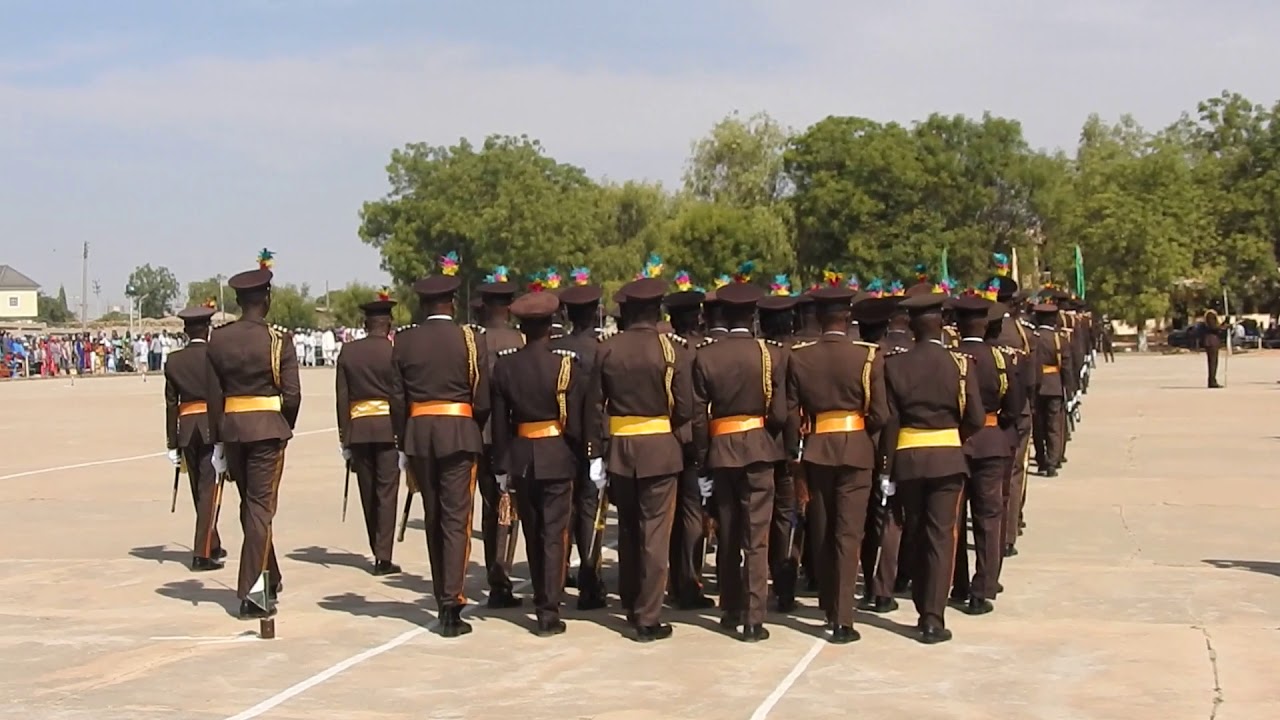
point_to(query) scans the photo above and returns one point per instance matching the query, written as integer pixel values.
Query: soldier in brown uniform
(496, 294)
(439, 401)
(988, 452)
(838, 385)
(1053, 364)
(365, 434)
(641, 392)
(935, 403)
(538, 439)
(688, 549)
(253, 397)
(187, 433)
(786, 535)
(739, 390)
(581, 302)
(1212, 342)
(1017, 337)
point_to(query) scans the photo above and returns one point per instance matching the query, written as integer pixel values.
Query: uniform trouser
(256, 468)
(1016, 493)
(687, 550)
(1049, 422)
(932, 509)
(837, 516)
(204, 491)
(744, 499)
(984, 503)
(377, 470)
(646, 509)
(546, 507)
(586, 502)
(448, 487)
(1211, 355)
(786, 534)
(496, 536)
(881, 541)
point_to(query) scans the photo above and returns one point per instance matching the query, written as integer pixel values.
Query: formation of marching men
(825, 435)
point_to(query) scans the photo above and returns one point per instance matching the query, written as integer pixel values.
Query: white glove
(704, 487)
(404, 462)
(888, 488)
(504, 482)
(346, 453)
(597, 473)
(175, 458)
(219, 458)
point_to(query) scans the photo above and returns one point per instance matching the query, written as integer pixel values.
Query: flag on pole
(942, 271)
(1079, 274)
(1013, 265)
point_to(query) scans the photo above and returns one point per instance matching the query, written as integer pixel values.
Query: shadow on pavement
(1259, 566)
(162, 554)
(196, 593)
(329, 557)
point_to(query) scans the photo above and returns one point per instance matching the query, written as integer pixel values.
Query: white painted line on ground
(766, 707)
(131, 458)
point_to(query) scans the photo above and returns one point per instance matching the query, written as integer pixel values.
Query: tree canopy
(153, 289)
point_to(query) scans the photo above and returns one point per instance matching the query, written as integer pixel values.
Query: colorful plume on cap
(683, 282)
(875, 288)
(922, 273)
(537, 282)
(991, 291)
(945, 286)
(743, 275)
(581, 276)
(211, 303)
(722, 281)
(896, 288)
(832, 278)
(500, 274)
(266, 259)
(781, 285)
(449, 263)
(652, 267)
(1002, 264)
(551, 279)
(384, 295)
(853, 283)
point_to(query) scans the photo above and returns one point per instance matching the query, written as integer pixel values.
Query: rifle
(177, 474)
(217, 510)
(412, 485)
(596, 546)
(509, 518)
(346, 491)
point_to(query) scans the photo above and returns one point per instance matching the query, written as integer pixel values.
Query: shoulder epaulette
(606, 335)
(410, 326)
(508, 351)
(864, 343)
(281, 329)
(897, 350)
(774, 343)
(678, 339)
(219, 326)
(566, 353)
(705, 342)
(804, 344)
(477, 328)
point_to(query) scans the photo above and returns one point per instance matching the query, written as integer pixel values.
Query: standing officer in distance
(935, 403)
(253, 397)
(538, 436)
(439, 401)
(1053, 359)
(365, 434)
(187, 431)
(1212, 342)
(739, 391)
(641, 391)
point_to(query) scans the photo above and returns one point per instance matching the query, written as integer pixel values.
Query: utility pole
(97, 298)
(84, 288)
(222, 302)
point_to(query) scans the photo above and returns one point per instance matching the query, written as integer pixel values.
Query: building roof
(11, 279)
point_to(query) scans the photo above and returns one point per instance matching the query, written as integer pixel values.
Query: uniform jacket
(835, 373)
(497, 339)
(364, 373)
(252, 358)
(1053, 350)
(526, 388)
(1020, 340)
(731, 376)
(925, 388)
(184, 381)
(583, 344)
(433, 361)
(1001, 394)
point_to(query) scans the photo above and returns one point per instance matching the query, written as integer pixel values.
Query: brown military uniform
(688, 551)
(586, 500)
(496, 535)
(253, 397)
(935, 403)
(187, 430)
(538, 441)
(364, 427)
(642, 393)
(1053, 368)
(1212, 343)
(1019, 339)
(740, 403)
(838, 385)
(439, 401)
(882, 544)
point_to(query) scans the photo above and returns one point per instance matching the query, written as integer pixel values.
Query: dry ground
(1148, 587)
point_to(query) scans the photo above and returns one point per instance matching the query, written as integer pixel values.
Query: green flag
(943, 268)
(1079, 274)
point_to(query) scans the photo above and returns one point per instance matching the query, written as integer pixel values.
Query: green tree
(292, 307)
(154, 289)
(740, 163)
(344, 304)
(201, 291)
(53, 310)
(709, 239)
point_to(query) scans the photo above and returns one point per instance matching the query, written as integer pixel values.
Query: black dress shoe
(219, 553)
(978, 606)
(592, 602)
(729, 622)
(632, 620)
(1053, 472)
(452, 625)
(547, 628)
(884, 605)
(1010, 551)
(385, 567)
(999, 588)
(959, 596)
(786, 604)
(845, 634)
(867, 603)
(503, 599)
(201, 564)
(1022, 524)
(649, 633)
(934, 635)
(250, 611)
(754, 633)
(695, 602)
(902, 586)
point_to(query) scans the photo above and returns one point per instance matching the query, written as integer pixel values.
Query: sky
(191, 135)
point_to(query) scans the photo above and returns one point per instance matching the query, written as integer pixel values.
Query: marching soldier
(365, 435)
(641, 392)
(538, 436)
(1053, 365)
(712, 310)
(1017, 336)
(496, 293)
(740, 403)
(439, 401)
(988, 452)
(688, 549)
(253, 397)
(581, 302)
(838, 384)
(786, 535)
(935, 404)
(1212, 342)
(187, 430)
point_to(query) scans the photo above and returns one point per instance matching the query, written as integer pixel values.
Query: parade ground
(1147, 586)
